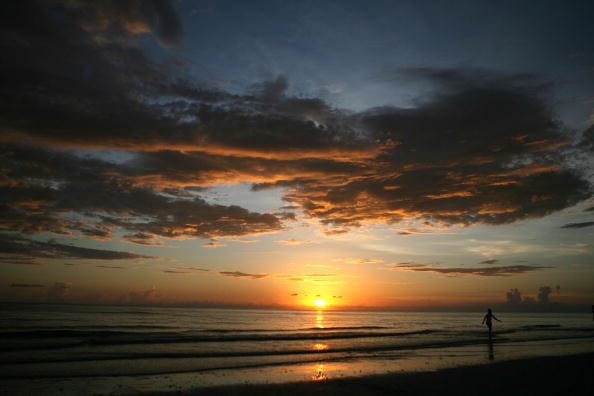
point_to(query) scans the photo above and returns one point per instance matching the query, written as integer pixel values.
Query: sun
(319, 303)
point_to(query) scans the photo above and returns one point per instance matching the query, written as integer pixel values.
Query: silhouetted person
(488, 319)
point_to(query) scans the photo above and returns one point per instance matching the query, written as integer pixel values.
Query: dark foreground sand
(561, 375)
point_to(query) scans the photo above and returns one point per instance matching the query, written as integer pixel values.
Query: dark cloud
(587, 141)
(146, 296)
(543, 294)
(68, 76)
(213, 244)
(409, 265)
(111, 266)
(191, 268)
(579, 225)
(272, 90)
(514, 296)
(43, 186)
(198, 219)
(490, 271)
(491, 261)
(19, 260)
(165, 21)
(239, 274)
(27, 285)
(59, 291)
(185, 270)
(175, 272)
(21, 247)
(142, 239)
(70, 80)
(481, 148)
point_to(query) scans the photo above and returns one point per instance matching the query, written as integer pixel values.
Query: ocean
(80, 349)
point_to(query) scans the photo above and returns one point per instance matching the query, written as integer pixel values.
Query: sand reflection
(321, 375)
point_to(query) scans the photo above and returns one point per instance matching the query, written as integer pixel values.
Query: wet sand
(564, 375)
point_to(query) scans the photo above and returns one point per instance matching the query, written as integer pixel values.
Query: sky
(361, 154)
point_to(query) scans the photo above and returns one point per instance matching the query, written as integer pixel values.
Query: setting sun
(320, 303)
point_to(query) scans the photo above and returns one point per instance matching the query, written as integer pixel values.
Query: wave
(288, 355)
(103, 337)
(540, 327)
(127, 334)
(293, 330)
(351, 348)
(267, 342)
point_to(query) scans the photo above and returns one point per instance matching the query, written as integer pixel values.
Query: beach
(552, 375)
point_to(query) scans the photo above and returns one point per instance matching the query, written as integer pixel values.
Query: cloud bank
(99, 138)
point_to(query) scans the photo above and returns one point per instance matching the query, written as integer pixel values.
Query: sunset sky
(401, 154)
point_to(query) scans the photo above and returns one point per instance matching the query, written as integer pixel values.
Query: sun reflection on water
(320, 319)
(320, 347)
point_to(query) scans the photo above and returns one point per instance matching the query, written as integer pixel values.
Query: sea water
(140, 346)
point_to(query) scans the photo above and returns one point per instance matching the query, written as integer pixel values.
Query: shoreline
(568, 374)
(347, 359)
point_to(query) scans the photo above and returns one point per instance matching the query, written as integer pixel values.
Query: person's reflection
(491, 351)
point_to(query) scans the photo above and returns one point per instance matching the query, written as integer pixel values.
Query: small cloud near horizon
(239, 274)
(294, 242)
(514, 296)
(490, 271)
(579, 225)
(111, 267)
